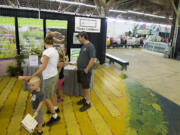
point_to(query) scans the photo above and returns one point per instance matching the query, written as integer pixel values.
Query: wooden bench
(113, 59)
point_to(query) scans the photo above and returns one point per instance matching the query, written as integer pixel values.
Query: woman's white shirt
(51, 68)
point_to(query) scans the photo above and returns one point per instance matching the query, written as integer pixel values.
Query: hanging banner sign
(7, 37)
(87, 24)
(60, 28)
(31, 34)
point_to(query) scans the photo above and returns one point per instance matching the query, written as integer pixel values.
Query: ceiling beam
(174, 7)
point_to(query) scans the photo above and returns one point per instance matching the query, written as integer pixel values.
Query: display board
(31, 34)
(75, 40)
(59, 27)
(7, 37)
(74, 54)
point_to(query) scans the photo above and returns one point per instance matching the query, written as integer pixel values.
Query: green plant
(36, 51)
(11, 69)
(16, 69)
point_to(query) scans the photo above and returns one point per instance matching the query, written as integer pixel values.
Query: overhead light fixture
(74, 3)
(118, 11)
(155, 16)
(134, 12)
(145, 14)
(139, 13)
(71, 13)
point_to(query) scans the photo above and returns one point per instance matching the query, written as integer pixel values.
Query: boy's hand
(86, 70)
(35, 114)
(20, 77)
(25, 78)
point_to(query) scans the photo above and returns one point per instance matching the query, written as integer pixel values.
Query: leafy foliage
(16, 69)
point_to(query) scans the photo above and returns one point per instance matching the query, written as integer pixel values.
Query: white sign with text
(33, 60)
(87, 24)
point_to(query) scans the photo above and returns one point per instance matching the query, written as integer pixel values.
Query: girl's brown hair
(49, 38)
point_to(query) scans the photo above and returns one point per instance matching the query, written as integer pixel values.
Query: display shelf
(159, 47)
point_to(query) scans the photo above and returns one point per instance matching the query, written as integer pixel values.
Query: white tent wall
(115, 29)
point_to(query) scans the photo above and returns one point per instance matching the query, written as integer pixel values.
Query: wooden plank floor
(107, 116)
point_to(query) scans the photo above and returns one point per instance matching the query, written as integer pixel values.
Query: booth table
(29, 70)
(71, 86)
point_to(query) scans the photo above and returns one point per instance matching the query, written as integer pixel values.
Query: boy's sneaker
(52, 121)
(82, 101)
(57, 111)
(44, 124)
(38, 133)
(85, 107)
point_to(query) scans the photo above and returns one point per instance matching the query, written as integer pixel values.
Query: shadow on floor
(171, 113)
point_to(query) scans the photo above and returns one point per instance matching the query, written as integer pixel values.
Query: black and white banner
(87, 24)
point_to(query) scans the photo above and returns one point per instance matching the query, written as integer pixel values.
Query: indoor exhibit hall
(102, 67)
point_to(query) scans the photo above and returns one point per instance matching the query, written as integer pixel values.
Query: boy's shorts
(84, 79)
(49, 86)
(39, 117)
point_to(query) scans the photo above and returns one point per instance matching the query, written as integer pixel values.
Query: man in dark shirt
(85, 64)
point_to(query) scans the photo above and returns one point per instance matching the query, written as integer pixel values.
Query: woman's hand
(27, 78)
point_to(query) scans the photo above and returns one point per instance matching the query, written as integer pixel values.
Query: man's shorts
(84, 79)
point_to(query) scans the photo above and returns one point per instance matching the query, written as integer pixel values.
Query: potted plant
(15, 69)
(36, 51)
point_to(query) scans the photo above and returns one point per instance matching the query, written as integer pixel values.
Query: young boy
(36, 101)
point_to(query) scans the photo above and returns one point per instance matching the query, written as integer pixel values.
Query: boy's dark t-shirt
(36, 98)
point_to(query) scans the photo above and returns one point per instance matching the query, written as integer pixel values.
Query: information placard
(74, 54)
(87, 24)
(33, 60)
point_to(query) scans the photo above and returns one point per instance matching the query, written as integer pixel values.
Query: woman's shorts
(50, 86)
(60, 83)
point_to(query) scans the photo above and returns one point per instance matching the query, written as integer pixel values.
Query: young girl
(61, 77)
(62, 61)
